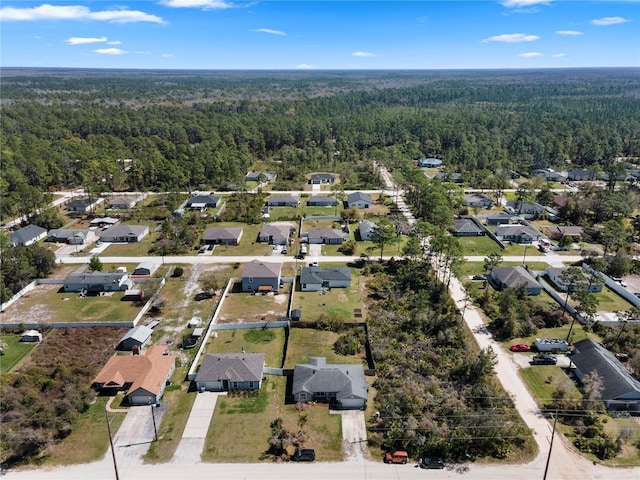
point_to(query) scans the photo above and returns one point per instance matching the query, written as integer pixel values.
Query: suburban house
(102, 222)
(202, 202)
(518, 233)
(429, 162)
(143, 377)
(454, 177)
(319, 178)
(582, 175)
(560, 201)
(124, 233)
(121, 203)
(322, 201)
(31, 336)
(478, 200)
(557, 232)
(512, 277)
(136, 337)
(274, 234)
(81, 205)
(501, 219)
(366, 229)
(314, 279)
(261, 176)
(621, 391)
(325, 236)
(97, 282)
(222, 236)
(339, 384)
(282, 201)
(28, 235)
(549, 174)
(71, 237)
(467, 227)
(145, 269)
(221, 372)
(525, 209)
(260, 276)
(359, 200)
(555, 275)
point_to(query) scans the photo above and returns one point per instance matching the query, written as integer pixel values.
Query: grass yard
(476, 246)
(246, 420)
(339, 302)
(541, 380)
(89, 440)
(269, 341)
(134, 249)
(610, 301)
(578, 333)
(15, 351)
(285, 213)
(308, 342)
(245, 307)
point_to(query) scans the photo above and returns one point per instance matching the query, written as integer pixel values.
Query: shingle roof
(346, 380)
(206, 199)
(235, 367)
(222, 233)
(95, 277)
(466, 225)
(140, 333)
(319, 275)
(65, 233)
(123, 231)
(27, 234)
(325, 233)
(514, 276)
(256, 268)
(511, 230)
(323, 176)
(359, 197)
(282, 199)
(322, 199)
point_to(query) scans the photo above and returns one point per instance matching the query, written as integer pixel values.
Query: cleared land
(243, 307)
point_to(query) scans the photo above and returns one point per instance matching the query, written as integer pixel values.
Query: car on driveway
(544, 359)
(431, 463)
(520, 347)
(479, 277)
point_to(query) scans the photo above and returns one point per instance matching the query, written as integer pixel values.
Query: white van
(313, 262)
(303, 249)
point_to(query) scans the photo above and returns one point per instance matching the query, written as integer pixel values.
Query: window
(250, 279)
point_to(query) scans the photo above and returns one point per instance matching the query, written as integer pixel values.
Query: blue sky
(303, 34)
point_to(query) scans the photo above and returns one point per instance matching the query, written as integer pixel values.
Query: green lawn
(541, 380)
(248, 244)
(339, 302)
(610, 301)
(134, 249)
(15, 351)
(269, 341)
(308, 342)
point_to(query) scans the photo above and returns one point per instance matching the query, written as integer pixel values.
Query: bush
(177, 272)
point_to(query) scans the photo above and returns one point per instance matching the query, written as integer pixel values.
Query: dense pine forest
(109, 130)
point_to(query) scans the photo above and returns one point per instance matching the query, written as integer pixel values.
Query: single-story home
(70, 236)
(260, 276)
(97, 282)
(81, 205)
(560, 201)
(620, 389)
(455, 177)
(466, 227)
(518, 233)
(555, 275)
(322, 201)
(222, 236)
(135, 337)
(429, 162)
(582, 175)
(556, 232)
(501, 219)
(525, 209)
(202, 202)
(359, 200)
(282, 201)
(124, 233)
(478, 200)
(221, 372)
(314, 279)
(325, 236)
(261, 176)
(145, 269)
(549, 174)
(512, 277)
(340, 384)
(28, 235)
(274, 234)
(143, 377)
(318, 178)
(102, 222)
(121, 203)
(366, 229)
(31, 336)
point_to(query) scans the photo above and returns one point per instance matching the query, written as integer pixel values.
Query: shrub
(178, 271)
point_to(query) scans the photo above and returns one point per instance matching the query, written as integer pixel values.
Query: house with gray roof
(429, 162)
(81, 205)
(124, 233)
(549, 174)
(28, 235)
(145, 269)
(325, 236)
(221, 372)
(202, 202)
(283, 201)
(518, 233)
(222, 236)
(583, 175)
(620, 389)
(555, 275)
(525, 209)
(366, 229)
(478, 200)
(512, 277)
(261, 176)
(341, 385)
(135, 337)
(71, 236)
(501, 219)
(455, 177)
(319, 178)
(102, 222)
(556, 232)
(97, 282)
(274, 234)
(359, 200)
(467, 227)
(314, 279)
(121, 203)
(322, 201)
(260, 276)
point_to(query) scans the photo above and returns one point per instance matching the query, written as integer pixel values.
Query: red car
(521, 347)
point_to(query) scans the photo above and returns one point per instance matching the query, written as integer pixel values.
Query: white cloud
(524, 3)
(75, 12)
(609, 21)
(511, 38)
(569, 32)
(270, 31)
(304, 66)
(559, 55)
(203, 4)
(115, 42)
(110, 51)
(531, 55)
(83, 40)
(363, 54)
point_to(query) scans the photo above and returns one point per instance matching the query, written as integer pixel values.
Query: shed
(31, 336)
(139, 336)
(133, 295)
(296, 314)
(197, 332)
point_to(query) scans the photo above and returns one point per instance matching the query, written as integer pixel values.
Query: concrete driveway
(354, 435)
(195, 432)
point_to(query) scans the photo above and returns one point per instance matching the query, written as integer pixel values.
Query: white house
(31, 336)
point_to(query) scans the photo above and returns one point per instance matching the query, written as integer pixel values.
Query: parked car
(203, 249)
(479, 277)
(399, 456)
(544, 359)
(304, 455)
(520, 347)
(300, 256)
(431, 463)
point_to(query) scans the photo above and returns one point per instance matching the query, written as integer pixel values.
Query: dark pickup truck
(544, 359)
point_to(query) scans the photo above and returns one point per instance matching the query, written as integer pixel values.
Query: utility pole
(113, 452)
(155, 429)
(553, 434)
